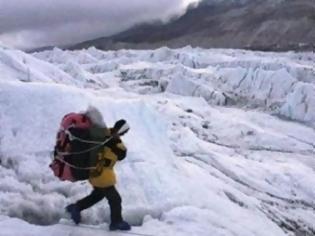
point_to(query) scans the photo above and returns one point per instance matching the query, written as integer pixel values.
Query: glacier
(222, 141)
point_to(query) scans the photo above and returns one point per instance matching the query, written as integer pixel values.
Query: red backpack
(70, 159)
(77, 148)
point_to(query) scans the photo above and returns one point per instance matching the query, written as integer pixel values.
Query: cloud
(36, 23)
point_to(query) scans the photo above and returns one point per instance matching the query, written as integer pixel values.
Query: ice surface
(214, 147)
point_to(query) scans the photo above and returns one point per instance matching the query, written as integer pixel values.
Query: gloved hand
(121, 127)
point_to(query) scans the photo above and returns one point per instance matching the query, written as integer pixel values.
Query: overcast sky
(34, 23)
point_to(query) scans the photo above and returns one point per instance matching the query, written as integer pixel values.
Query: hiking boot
(74, 212)
(122, 225)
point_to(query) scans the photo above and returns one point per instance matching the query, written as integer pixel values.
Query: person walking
(103, 178)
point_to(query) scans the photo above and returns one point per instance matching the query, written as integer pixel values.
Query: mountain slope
(263, 25)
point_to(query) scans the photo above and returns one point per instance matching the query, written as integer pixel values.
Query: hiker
(102, 177)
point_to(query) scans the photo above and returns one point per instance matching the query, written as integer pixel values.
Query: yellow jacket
(104, 176)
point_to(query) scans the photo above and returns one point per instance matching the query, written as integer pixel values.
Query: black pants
(112, 196)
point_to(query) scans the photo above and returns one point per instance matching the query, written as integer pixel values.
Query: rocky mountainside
(262, 25)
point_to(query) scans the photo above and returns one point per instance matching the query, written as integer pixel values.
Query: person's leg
(114, 201)
(95, 196)
(74, 209)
